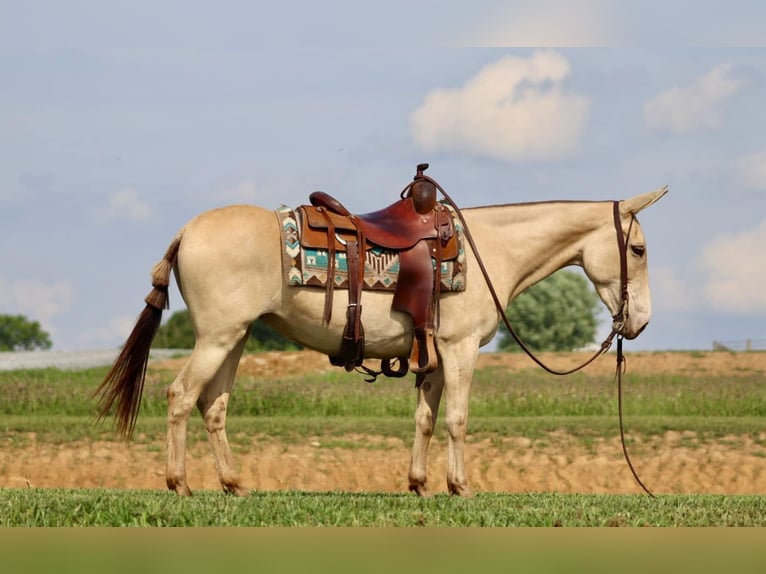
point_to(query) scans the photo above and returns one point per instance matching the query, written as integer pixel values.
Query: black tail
(123, 385)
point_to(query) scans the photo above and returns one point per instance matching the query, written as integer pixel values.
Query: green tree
(178, 333)
(17, 333)
(263, 337)
(557, 314)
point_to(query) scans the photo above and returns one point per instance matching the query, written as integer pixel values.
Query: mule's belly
(387, 333)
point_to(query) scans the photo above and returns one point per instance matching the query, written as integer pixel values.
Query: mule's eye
(638, 250)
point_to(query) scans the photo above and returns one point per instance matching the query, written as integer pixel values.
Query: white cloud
(126, 204)
(670, 291)
(751, 170)
(548, 23)
(734, 271)
(243, 192)
(513, 109)
(36, 300)
(695, 106)
(283, 189)
(112, 333)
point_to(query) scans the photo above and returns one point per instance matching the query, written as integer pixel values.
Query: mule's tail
(124, 383)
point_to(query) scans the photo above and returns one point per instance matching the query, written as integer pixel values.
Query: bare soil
(673, 463)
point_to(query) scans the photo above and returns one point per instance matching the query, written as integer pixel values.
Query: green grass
(496, 392)
(56, 407)
(59, 405)
(54, 507)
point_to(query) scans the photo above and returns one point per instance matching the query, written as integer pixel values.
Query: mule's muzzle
(622, 325)
(629, 334)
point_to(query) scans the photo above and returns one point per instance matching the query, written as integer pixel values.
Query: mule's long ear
(639, 202)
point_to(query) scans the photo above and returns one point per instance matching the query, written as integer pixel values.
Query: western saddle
(420, 230)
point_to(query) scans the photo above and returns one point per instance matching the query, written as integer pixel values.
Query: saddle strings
(605, 345)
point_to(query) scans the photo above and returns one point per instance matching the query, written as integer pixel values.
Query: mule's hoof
(460, 490)
(420, 489)
(179, 487)
(236, 490)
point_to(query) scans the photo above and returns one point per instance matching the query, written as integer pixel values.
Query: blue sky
(118, 124)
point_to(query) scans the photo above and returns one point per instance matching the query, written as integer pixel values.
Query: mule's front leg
(457, 424)
(429, 395)
(458, 374)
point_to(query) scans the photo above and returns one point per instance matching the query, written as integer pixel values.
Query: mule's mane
(536, 203)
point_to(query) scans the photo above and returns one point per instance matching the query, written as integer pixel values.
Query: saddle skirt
(305, 254)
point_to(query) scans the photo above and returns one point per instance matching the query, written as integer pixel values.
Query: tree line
(558, 314)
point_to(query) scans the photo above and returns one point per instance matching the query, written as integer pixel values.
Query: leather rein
(618, 320)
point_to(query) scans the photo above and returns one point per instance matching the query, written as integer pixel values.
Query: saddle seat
(398, 226)
(422, 233)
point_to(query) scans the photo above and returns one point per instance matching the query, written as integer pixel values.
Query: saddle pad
(308, 266)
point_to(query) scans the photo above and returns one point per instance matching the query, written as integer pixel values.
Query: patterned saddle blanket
(305, 266)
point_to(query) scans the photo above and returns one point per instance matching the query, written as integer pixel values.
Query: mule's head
(602, 263)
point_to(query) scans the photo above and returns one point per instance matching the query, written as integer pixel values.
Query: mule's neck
(524, 243)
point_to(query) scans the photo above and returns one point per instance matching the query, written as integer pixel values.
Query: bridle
(618, 319)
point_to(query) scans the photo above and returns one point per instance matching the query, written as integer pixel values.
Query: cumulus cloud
(547, 23)
(670, 291)
(243, 192)
(112, 333)
(283, 189)
(734, 271)
(751, 170)
(36, 300)
(513, 109)
(696, 106)
(126, 204)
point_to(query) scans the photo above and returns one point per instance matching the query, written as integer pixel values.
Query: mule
(227, 264)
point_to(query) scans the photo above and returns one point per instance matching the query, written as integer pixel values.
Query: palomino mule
(227, 263)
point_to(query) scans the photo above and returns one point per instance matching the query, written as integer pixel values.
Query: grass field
(95, 507)
(55, 409)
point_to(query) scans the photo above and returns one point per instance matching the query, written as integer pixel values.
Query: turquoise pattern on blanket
(308, 267)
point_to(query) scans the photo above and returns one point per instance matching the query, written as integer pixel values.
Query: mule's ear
(636, 204)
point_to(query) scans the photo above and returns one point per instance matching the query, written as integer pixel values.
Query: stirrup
(423, 358)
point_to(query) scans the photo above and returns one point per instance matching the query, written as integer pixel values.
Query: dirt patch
(645, 363)
(673, 463)
(278, 364)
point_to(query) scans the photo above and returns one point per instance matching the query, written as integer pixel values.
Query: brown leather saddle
(422, 233)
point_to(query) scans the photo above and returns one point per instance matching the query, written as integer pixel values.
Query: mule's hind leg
(212, 404)
(204, 364)
(429, 395)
